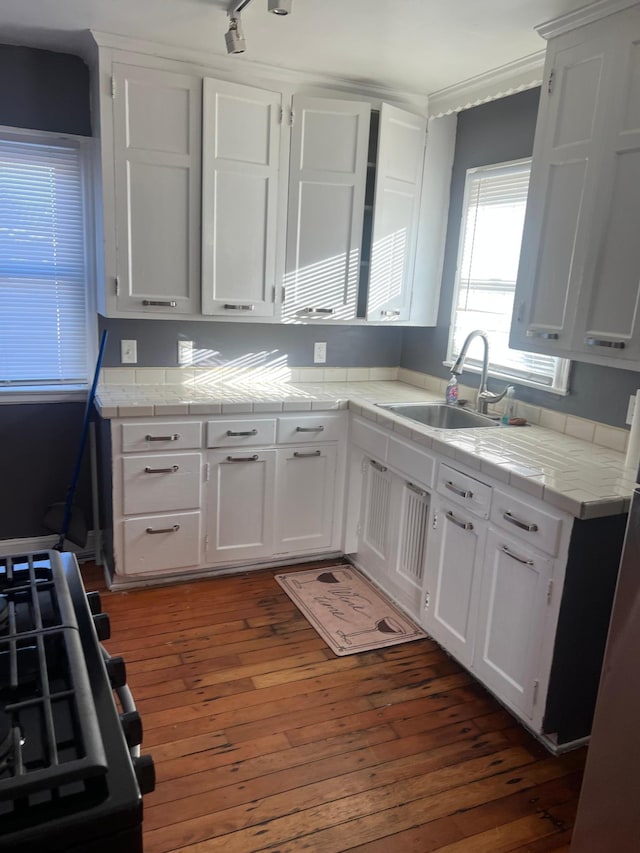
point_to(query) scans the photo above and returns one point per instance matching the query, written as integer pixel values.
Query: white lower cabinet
(454, 567)
(240, 505)
(157, 543)
(513, 601)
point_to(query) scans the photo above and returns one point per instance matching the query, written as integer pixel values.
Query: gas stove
(71, 777)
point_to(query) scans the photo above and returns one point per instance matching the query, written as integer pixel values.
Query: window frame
(560, 384)
(87, 152)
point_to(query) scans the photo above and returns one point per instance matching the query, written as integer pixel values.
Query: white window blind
(43, 320)
(489, 250)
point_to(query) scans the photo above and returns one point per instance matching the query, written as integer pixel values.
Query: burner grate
(35, 594)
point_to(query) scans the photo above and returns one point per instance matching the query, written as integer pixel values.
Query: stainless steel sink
(440, 415)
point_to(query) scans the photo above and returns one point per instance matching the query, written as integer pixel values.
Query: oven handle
(126, 700)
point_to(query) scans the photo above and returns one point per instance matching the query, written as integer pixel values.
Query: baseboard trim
(30, 544)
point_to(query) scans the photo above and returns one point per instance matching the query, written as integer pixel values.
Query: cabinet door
(405, 575)
(562, 194)
(377, 537)
(511, 620)
(451, 585)
(241, 150)
(157, 161)
(240, 505)
(306, 478)
(609, 322)
(327, 179)
(399, 167)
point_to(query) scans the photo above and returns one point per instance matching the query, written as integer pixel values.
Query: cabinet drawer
(304, 428)
(161, 482)
(161, 435)
(241, 433)
(464, 490)
(408, 459)
(161, 542)
(370, 438)
(535, 526)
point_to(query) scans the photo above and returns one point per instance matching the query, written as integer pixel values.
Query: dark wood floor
(264, 740)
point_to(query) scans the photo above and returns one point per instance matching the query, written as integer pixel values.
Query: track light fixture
(234, 37)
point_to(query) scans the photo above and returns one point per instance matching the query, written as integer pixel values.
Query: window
(43, 264)
(489, 249)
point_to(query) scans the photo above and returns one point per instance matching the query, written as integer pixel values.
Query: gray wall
(40, 90)
(492, 133)
(222, 343)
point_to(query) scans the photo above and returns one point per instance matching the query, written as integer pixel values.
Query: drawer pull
(464, 493)
(523, 525)
(465, 525)
(513, 556)
(230, 432)
(253, 458)
(310, 429)
(171, 470)
(173, 529)
(323, 312)
(160, 303)
(230, 307)
(390, 313)
(306, 455)
(173, 437)
(378, 466)
(546, 336)
(417, 490)
(603, 342)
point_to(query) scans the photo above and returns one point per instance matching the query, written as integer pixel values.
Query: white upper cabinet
(157, 175)
(398, 184)
(578, 284)
(241, 151)
(327, 176)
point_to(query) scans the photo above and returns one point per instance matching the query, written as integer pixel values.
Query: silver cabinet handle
(377, 466)
(417, 490)
(305, 455)
(173, 437)
(463, 493)
(513, 556)
(603, 342)
(465, 525)
(231, 307)
(253, 458)
(322, 311)
(546, 336)
(173, 529)
(310, 429)
(390, 313)
(162, 303)
(171, 470)
(230, 432)
(523, 525)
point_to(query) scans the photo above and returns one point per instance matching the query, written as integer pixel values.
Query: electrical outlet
(128, 352)
(185, 352)
(631, 408)
(320, 353)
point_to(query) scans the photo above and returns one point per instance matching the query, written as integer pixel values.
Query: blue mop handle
(83, 440)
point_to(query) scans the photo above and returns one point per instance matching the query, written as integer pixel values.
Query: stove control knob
(117, 672)
(95, 604)
(145, 773)
(132, 728)
(103, 626)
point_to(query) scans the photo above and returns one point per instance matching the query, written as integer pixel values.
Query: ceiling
(420, 46)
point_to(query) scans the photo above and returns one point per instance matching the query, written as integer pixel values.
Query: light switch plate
(128, 352)
(185, 352)
(320, 352)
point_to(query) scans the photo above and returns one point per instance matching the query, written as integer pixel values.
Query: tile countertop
(583, 479)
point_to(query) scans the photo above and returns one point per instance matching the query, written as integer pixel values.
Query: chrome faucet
(484, 396)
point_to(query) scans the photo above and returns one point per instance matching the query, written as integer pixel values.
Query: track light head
(280, 7)
(234, 37)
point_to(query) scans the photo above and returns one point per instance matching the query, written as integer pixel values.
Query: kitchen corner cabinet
(578, 288)
(157, 194)
(189, 494)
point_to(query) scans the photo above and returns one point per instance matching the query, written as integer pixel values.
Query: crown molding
(517, 76)
(586, 15)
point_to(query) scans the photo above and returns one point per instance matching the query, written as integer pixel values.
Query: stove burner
(6, 738)
(4, 614)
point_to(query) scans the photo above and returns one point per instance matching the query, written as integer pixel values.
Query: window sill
(42, 394)
(511, 380)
